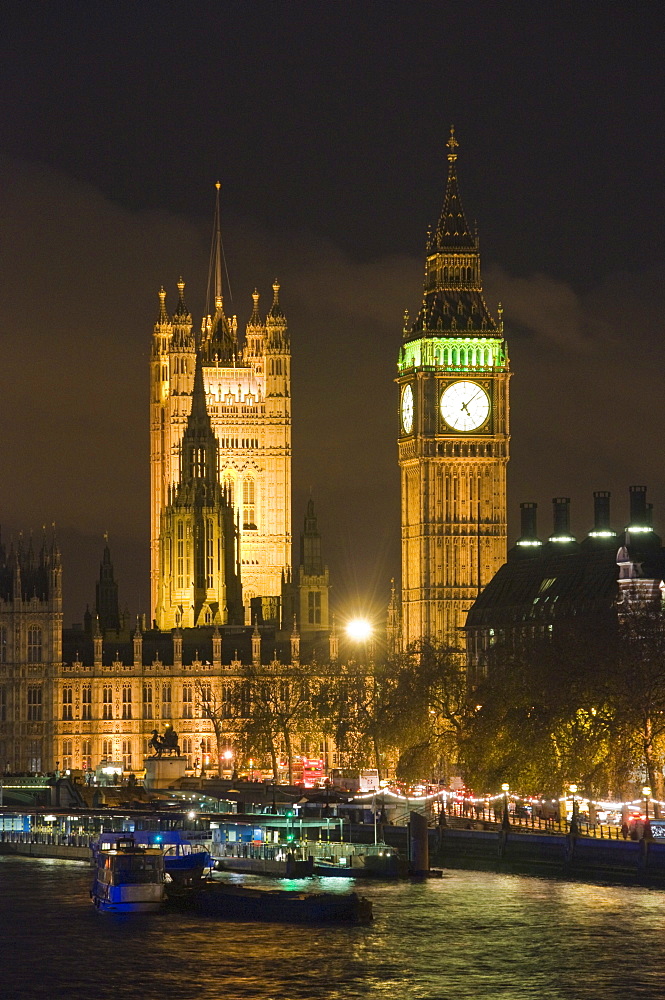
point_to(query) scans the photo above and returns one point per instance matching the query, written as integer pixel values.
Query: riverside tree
(280, 712)
(358, 706)
(432, 709)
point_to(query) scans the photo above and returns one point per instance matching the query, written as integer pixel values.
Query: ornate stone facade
(453, 374)
(248, 398)
(30, 653)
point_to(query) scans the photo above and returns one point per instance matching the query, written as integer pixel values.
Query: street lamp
(574, 827)
(646, 833)
(505, 822)
(359, 629)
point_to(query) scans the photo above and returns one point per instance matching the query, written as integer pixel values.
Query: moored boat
(185, 859)
(364, 861)
(129, 879)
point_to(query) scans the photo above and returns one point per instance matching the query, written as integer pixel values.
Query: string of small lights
(512, 796)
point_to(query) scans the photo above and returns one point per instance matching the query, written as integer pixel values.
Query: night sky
(326, 124)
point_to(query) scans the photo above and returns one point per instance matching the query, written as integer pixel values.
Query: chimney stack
(601, 510)
(528, 514)
(638, 506)
(561, 518)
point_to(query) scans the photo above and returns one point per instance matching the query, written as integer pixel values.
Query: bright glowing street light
(646, 792)
(359, 629)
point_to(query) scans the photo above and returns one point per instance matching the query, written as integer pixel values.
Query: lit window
(187, 705)
(86, 702)
(180, 554)
(210, 552)
(249, 503)
(35, 755)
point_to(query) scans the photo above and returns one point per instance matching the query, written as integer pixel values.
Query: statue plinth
(161, 772)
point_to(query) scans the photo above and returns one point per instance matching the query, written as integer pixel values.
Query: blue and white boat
(185, 857)
(129, 879)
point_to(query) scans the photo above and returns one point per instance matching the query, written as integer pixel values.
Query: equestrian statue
(168, 743)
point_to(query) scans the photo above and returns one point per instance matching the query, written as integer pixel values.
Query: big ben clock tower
(453, 375)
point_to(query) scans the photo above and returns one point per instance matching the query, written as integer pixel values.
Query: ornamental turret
(255, 334)
(163, 328)
(106, 602)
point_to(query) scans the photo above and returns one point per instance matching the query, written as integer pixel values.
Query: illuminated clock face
(407, 409)
(465, 406)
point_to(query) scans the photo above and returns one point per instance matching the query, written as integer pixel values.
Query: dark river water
(468, 935)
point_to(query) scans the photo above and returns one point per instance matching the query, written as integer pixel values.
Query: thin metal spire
(217, 263)
(218, 252)
(215, 266)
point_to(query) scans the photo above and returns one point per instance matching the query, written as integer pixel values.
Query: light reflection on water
(468, 935)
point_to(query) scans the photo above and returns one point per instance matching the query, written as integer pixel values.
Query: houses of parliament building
(224, 593)
(223, 590)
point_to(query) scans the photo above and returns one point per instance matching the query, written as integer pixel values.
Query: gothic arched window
(248, 503)
(229, 483)
(210, 552)
(180, 554)
(67, 702)
(127, 701)
(34, 644)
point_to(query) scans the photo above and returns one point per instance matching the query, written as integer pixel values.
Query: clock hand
(474, 396)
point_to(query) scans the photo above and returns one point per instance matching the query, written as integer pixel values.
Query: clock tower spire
(453, 375)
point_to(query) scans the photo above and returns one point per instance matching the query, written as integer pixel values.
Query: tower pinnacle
(452, 145)
(219, 336)
(452, 233)
(163, 315)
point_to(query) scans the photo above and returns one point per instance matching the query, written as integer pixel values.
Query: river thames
(468, 935)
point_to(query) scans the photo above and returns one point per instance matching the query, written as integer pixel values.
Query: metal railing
(493, 816)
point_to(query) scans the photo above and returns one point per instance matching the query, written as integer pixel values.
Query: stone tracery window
(34, 644)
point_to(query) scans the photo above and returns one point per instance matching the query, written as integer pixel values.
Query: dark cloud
(587, 391)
